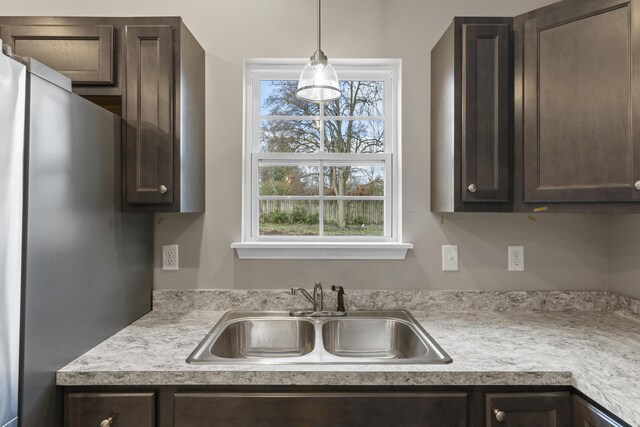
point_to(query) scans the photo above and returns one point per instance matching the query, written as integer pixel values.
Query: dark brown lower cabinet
(310, 406)
(528, 409)
(110, 409)
(320, 409)
(587, 415)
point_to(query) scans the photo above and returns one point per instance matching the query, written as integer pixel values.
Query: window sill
(322, 250)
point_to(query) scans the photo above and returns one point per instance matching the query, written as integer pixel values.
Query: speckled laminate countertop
(598, 352)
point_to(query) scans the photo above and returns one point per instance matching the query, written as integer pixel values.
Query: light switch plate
(170, 257)
(450, 258)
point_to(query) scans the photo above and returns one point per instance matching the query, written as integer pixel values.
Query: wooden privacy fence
(370, 211)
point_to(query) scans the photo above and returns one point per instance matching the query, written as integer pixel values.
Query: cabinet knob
(106, 422)
(162, 189)
(500, 415)
(637, 185)
(472, 188)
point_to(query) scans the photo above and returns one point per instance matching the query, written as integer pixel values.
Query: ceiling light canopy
(318, 81)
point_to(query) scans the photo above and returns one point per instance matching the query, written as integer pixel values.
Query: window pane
(359, 98)
(289, 136)
(354, 136)
(360, 180)
(278, 98)
(354, 218)
(288, 180)
(289, 218)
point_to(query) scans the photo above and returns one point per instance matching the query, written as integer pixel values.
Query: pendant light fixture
(318, 81)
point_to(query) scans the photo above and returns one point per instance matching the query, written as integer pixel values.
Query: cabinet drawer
(528, 409)
(320, 409)
(125, 409)
(83, 53)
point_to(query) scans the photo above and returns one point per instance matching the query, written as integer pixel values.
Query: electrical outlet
(450, 258)
(516, 258)
(170, 257)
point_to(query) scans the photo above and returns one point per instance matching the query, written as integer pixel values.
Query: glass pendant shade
(318, 81)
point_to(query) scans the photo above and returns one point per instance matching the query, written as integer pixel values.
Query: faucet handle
(294, 291)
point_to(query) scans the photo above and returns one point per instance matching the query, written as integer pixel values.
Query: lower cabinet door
(320, 409)
(587, 415)
(528, 409)
(110, 410)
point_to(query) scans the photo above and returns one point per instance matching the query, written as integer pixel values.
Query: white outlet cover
(515, 258)
(170, 257)
(450, 258)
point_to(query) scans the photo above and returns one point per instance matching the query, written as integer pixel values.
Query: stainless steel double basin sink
(360, 337)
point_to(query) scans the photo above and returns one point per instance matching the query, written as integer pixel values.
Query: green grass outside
(271, 229)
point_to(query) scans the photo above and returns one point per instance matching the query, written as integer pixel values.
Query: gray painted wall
(562, 251)
(624, 250)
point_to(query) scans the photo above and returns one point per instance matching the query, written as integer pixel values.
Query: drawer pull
(637, 185)
(472, 188)
(106, 422)
(500, 415)
(162, 189)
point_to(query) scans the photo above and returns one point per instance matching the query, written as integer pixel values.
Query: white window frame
(388, 246)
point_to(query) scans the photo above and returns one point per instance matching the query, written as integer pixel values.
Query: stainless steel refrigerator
(73, 268)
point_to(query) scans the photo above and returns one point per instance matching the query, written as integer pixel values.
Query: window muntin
(321, 172)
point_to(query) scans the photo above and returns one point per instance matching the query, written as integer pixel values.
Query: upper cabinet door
(84, 53)
(582, 103)
(149, 138)
(472, 116)
(486, 71)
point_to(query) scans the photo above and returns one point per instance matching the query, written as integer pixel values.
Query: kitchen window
(322, 180)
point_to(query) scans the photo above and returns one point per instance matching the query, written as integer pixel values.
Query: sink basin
(377, 338)
(261, 338)
(361, 337)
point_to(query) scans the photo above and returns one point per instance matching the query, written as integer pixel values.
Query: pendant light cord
(319, 22)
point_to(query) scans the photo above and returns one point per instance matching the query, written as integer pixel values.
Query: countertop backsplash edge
(181, 300)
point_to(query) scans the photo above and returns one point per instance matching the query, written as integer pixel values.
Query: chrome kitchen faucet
(317, 301)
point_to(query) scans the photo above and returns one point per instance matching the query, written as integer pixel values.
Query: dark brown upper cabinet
(150, 71)
(581, 103)
(164, 119)
(149, 135)
(528, 409)
(471, 117)
(84, 53)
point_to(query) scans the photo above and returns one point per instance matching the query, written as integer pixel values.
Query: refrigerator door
(88, 267)
(12, 133)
